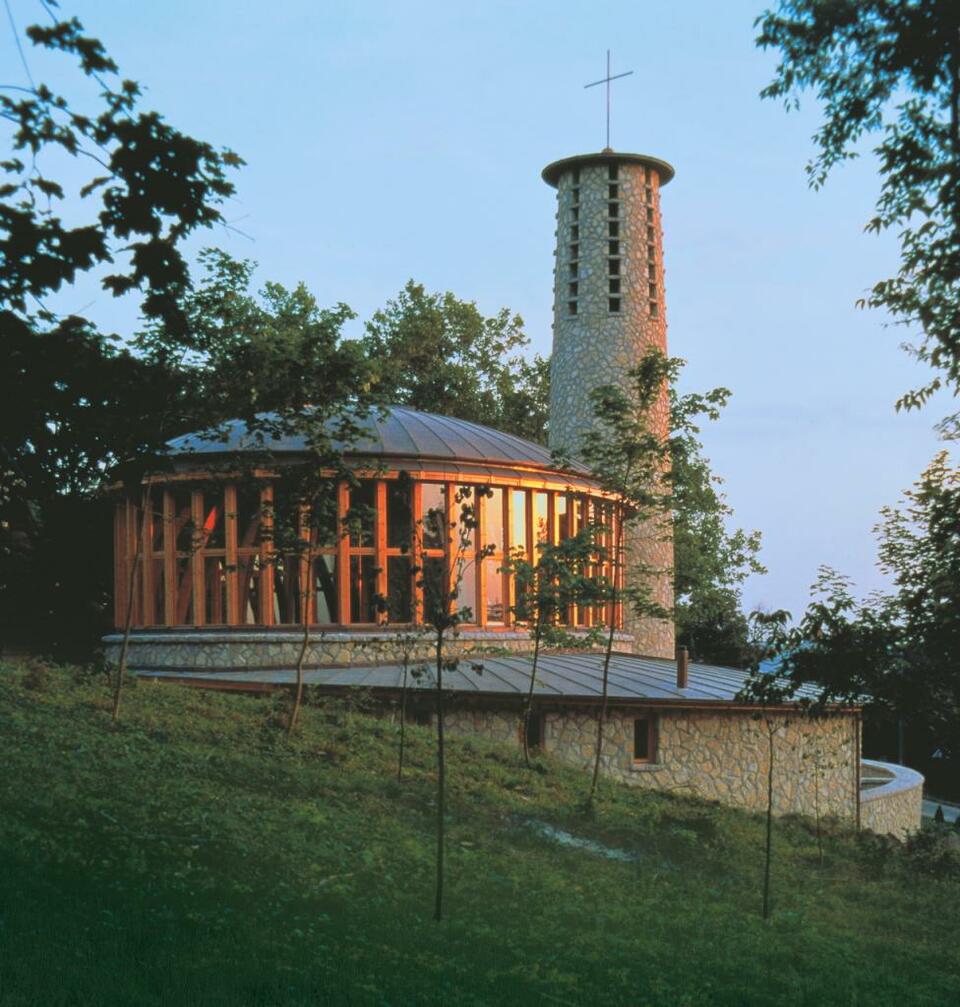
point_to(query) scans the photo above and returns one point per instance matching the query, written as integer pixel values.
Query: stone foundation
(893, 808)
(241, 650)
(719, 756)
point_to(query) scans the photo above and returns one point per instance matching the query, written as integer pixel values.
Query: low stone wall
(893, 808)
(249, 650)
(720, 756)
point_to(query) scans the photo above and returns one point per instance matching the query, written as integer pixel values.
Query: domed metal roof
(397, 434)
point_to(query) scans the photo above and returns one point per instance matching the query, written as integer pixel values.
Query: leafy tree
(545, 589)
(437, 353)
(441, 582)
(73, 401)
(710, 561)
(276, 360)
(629, 460)
(893, 69)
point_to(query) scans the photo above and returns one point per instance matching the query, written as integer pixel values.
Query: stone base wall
(720, 756)
(895, 808)
(214, 650)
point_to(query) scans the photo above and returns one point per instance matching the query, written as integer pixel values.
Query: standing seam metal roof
(397, 432)
(565, 676)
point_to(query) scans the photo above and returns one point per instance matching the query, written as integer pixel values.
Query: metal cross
(606, 80)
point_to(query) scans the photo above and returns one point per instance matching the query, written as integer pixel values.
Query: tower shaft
(609, 310)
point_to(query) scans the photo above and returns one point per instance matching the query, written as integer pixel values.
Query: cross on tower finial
(606, 80)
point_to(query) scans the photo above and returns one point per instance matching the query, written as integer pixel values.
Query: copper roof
(398, 433)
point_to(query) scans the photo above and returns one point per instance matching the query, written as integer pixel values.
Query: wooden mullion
(169, 560)
(304, 573)
(481, 613)
(343, 554)
(196, 558)
(509, 592)
(146, 565)
(232, 561)
(416, 551)
(380, 543)
(452, 551)
(266, 555)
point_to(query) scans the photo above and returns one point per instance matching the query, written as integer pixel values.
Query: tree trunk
(305, 596)
(441, 782)
(128, 620)
(403, 715)
(769, 845)
(608, 653)
(533, 677)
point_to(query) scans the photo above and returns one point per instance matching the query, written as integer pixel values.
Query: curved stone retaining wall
(894, 807)
(250, 650)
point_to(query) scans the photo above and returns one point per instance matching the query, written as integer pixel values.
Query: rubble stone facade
(609, 309)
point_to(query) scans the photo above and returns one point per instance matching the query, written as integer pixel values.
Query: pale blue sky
(393, 140)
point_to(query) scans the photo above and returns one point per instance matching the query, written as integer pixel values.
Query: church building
(214, 605)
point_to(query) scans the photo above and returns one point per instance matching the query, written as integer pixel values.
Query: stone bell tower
(608, 310)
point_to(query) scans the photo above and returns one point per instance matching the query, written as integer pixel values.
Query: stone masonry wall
(895, 808)
(718, 756)
(211, 650)
(596, 346)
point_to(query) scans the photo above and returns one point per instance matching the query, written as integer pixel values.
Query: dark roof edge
(551, 174)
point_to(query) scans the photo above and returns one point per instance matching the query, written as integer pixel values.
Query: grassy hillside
(193, 855)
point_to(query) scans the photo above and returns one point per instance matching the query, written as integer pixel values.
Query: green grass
(194, 855)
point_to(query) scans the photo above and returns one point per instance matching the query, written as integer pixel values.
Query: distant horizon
(384, 144)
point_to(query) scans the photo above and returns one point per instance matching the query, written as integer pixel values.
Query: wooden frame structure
(211, 558)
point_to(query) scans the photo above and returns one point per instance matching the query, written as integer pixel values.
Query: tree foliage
(890, 68)
(894, 651)
(73, 400)
(711, 560)
(437, 353)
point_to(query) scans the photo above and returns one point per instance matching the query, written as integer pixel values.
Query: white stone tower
(608, 310)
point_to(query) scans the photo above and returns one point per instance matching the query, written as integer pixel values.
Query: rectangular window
(651, 234)
(541, 524)
(573, 288)
(155, 603)
(613, 229)
(212, 532)
(183, 520)
(574, 251)
(613, 248)
(399, 589)
(650, 214)
(575, 232)
(248, 583)
(434, 583)
(615, 286)
(573, 270)
(653, 290)
(654, 309)
(575, 213)
(613, 172)
(184, 595)
(492, 534)
(571, 307)
(613, 191)
(613, 209)
(576, 193)
(215, 591)
(362, 515)
(433, 515)
(652, 272)
(467, 590)
(613, 266)
(494, 601)
(576, 176)
(644, 740)
(325, 595)
(325, 530)
(286, 589)
(363, 589)
(614, 305)
(563, 517)
(518, 522)
(534, 731)
(399, 514)
(652, 253)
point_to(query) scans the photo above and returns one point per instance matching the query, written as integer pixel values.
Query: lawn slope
(194, 855)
